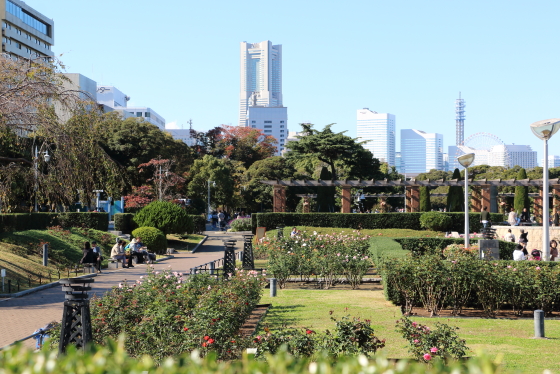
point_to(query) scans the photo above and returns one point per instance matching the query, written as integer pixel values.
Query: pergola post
(306, 204)
(346, 200)
(476, 201)
(413, 199)
(556, 197)
(279, 199)
(537, 206)
(485, 198)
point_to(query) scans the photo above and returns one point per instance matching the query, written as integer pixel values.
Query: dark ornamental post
(76, 320)
(248, 259)
(229, 258)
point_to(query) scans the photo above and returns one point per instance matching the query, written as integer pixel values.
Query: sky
(408, 58)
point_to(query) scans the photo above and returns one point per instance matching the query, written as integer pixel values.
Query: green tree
(425, 205)
(132, 142)
(455, 197)
(218, 171)
(257, 194)
(521, 199)
(328, 147)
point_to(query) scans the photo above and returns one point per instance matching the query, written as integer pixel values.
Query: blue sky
(408, 58)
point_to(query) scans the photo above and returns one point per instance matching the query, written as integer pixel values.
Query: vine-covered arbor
(486, 197)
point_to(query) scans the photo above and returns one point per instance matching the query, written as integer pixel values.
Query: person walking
(485, 217)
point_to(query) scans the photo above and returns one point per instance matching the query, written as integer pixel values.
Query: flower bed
(329, 256)
(165, 314)
(461, 280)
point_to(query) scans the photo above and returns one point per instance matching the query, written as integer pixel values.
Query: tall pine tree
(521, 199)
(425, 204)
(455, 197)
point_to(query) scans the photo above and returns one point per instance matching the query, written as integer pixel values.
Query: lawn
(183, 242)
(21, 254)
(510, 338)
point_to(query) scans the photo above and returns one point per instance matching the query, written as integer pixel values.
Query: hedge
(364, 221)
(124, 222)
(40, 221)
(152, 238)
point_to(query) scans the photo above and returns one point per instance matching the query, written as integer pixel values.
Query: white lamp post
(544, 130)
(209, 207)
(466, 161)
(47, 158)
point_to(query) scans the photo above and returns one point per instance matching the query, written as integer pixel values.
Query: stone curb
(39, 288)
(199, 243)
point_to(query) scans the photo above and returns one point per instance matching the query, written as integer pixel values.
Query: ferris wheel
(488, 149)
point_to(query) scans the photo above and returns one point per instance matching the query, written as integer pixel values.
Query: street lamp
(466, 161)
(544, 130)
(209, 207)
(47, 158)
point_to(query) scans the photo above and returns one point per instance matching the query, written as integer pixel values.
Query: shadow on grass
(278, 316)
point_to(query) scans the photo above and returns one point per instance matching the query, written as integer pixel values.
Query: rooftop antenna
(459, 121)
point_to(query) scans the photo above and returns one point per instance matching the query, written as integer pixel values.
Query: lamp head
(466, 160)
(47, 157)
(546, 128)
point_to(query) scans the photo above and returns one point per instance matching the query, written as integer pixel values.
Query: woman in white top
(518, 254)
(509, 237)
(512, 217)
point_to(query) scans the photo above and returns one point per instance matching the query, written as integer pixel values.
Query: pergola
(412, 188)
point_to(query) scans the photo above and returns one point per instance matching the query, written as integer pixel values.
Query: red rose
(204, 344)
(206, 337)
(210, 341)
(186, 329)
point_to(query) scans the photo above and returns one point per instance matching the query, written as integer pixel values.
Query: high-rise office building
(261, 77)
(260, 98)
(421, 151)
(378, 130)
(26, 33)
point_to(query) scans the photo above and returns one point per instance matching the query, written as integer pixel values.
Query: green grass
(390, 233)
(512, 338)
(21, 256)
(184, 242)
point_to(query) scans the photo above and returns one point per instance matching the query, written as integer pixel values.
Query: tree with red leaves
(246, 144)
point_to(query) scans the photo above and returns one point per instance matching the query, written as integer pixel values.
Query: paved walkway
(20, 317)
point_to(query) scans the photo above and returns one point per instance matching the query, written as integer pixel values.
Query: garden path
(20, 317)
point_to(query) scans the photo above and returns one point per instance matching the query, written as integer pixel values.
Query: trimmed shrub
(90, 220)
(455, 196)
(124, 222)
(165, 216)
(152, 238)
(199, 223)
(435, 221)
(241, 224)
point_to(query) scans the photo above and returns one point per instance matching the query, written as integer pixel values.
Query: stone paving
(20, 317)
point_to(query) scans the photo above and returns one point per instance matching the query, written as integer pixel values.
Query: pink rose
(433, 349)
(427, 357)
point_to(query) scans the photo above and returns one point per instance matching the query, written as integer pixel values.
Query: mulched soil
(479, 313)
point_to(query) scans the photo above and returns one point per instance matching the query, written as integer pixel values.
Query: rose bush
(331, 257)
(167, 313)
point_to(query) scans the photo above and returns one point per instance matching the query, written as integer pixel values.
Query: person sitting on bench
(97, 255)
(117, 252)
(87, 257)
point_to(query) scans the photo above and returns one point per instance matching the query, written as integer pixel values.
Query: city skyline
(490, 54)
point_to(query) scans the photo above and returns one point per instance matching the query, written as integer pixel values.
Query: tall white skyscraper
(378, 129)
(421, 151)
(261, 77)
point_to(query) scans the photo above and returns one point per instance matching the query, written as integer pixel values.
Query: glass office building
(420, 151)
(26, 33)
(378, 130)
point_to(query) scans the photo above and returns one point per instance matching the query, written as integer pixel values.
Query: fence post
(212, 268)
